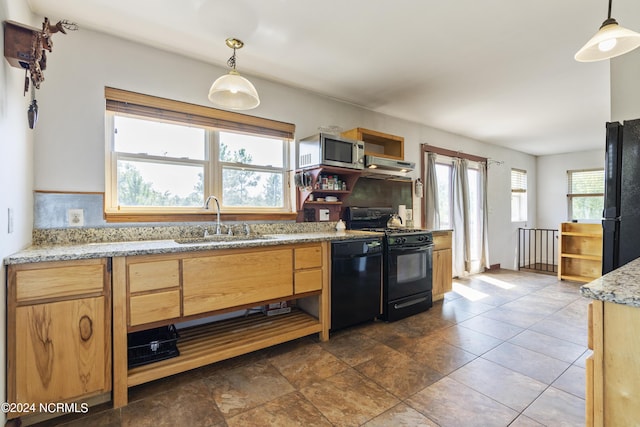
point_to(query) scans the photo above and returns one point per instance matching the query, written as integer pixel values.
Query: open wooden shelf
(578, 256)
(213, 342)
(378, 143)
(580, 252)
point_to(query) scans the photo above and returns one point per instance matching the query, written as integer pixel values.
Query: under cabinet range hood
(383, 168)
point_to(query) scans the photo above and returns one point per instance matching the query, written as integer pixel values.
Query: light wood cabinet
(378, 143)
(215, 282)
(613, 370)
(580, 252)
(58, 331)
(233, 279)
(153, 289)
(442, 264)
(307, 269)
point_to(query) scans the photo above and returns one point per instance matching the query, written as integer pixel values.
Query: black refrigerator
(621, 216)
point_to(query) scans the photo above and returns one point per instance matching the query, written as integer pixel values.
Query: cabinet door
(62, 350)
(236, 279)
(442, 272)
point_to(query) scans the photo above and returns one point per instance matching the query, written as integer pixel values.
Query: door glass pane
(475, 222)
(159, 184)
(443, 176)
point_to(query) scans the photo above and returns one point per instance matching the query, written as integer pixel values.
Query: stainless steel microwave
(325, 149)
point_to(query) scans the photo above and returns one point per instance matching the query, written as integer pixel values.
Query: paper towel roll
(402, 213)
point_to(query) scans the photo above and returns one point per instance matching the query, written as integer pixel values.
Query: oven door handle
(412, 249)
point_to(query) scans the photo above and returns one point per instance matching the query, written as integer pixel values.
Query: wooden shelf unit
(378, 143)
(349, 176)
(213, 342)
(580, 252)
(212, 283)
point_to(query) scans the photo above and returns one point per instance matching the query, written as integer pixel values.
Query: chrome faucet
(206, 206)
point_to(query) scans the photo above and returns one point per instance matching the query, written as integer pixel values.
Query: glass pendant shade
(234, 92)
(610, 41)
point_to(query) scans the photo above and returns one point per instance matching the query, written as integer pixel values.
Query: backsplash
(51, 209)
(52, 225)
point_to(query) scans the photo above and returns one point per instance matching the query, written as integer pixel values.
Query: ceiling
(498, 71)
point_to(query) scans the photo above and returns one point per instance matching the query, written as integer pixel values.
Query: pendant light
(610, 41)
(232, 90)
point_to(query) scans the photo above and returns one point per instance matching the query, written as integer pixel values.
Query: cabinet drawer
(61, 280)
(441, 240)
(307, 281)
(308, 257)
(154, 307)
(236, 279)
(154, 275)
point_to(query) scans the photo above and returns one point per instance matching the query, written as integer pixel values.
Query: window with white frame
(518, 195)
(168, 161)
(585, 196)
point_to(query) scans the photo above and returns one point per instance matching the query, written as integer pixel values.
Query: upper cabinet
(378, 143)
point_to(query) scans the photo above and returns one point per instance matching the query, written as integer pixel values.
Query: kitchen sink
(222, 238)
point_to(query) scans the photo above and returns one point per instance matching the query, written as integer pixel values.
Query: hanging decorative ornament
(32, 112)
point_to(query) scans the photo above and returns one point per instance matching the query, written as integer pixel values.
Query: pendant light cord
(608, 16)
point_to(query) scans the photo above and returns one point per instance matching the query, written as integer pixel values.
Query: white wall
(72, 118)
(625, 90)
(16, 164)
(552, 182)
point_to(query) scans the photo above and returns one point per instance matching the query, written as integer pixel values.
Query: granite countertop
(64, 252)
(621, 286)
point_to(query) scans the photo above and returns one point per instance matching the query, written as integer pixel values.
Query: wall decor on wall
(25, 47)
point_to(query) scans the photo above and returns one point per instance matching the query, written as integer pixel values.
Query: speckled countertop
(621, 286)
(74, 251)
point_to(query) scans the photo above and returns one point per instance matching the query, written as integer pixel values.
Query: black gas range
(407, 264)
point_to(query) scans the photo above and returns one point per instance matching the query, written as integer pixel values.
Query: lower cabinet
(210, 283)
(613, 370)
(442, 264)
(232, 279)
(58, 331)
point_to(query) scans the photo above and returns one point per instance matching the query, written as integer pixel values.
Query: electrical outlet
(9, 220)
(75, 217)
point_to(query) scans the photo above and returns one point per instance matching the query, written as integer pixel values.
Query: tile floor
(504, 349)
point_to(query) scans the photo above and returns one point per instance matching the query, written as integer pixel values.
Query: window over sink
(166, 157)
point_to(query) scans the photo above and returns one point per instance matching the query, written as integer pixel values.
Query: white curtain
(484, 256)
(431, 205)
(460, 219)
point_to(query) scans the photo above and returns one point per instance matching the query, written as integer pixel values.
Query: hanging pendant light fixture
(611, 40)
(232, 90)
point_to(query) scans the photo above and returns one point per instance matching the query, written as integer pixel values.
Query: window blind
(586, 182)
(122, 101)
(518, 181)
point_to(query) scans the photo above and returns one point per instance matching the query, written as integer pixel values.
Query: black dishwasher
(356, 281)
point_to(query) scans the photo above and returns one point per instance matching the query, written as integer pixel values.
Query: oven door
(408, 282)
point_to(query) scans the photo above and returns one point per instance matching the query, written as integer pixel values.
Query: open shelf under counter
(213, 342)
